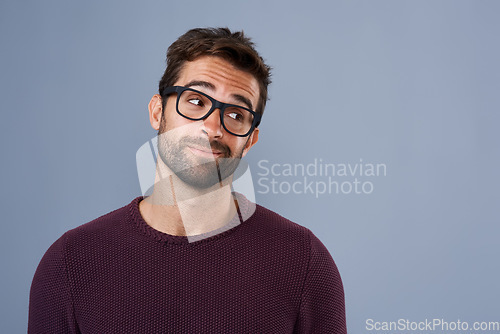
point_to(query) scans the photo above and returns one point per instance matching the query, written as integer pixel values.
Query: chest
(182, 293)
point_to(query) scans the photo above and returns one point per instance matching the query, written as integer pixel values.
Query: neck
(177, 208)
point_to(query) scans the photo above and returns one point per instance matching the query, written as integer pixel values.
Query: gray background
(412, 84)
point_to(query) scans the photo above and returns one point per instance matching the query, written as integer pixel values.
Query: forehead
(226, 78)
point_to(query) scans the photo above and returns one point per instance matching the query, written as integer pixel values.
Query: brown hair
(235, 47)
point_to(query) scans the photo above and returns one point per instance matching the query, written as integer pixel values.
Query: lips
(203, 151)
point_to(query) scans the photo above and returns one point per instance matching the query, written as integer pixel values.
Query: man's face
(201, 153)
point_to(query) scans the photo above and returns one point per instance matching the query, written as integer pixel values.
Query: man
(193, 257)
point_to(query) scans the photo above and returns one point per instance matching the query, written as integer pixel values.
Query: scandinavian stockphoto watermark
(437, 325)
(318, 178)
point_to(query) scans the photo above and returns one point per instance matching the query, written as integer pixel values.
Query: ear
(252, 140)
(155, 110)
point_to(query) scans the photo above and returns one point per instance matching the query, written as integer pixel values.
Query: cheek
(163, 123)
(178, 127)
(239, 146)
(171, 120)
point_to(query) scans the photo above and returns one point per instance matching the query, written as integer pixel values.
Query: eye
(196, 101)
(236, 116)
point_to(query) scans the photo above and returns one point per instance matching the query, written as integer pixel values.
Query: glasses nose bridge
(216, 105)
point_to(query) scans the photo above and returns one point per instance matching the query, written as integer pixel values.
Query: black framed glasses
(195, 105)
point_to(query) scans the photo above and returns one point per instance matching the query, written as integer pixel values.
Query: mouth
(205, 152)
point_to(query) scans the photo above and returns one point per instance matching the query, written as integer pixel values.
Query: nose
(212, 125)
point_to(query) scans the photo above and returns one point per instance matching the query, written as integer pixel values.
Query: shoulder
(276, 221)
(106, 223)
(296, 237)
(273, 223)
(266, 225)
(277, 228)
(98, 234)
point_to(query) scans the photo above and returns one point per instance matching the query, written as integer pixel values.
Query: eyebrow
(210, 86)
(203, 84)
(244, 100)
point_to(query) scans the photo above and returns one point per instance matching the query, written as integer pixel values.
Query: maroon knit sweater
(117, 274)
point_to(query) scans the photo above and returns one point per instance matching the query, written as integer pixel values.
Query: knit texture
(117, 274)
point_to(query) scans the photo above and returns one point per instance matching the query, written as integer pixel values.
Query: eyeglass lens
(195, 105)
